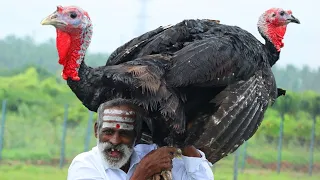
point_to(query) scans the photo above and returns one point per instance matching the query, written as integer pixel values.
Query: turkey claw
(164, 175)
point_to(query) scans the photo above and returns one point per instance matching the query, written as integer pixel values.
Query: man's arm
(80, 171)
(154, 162)
(192, 166)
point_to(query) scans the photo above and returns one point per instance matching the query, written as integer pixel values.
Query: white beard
(115, 163)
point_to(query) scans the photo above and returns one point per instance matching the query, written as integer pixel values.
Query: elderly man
(117, 155)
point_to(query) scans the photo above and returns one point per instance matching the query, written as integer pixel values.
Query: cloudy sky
(117, 21)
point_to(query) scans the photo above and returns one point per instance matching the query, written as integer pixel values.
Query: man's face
(116, 136)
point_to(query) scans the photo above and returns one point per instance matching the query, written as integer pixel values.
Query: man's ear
(96, 129)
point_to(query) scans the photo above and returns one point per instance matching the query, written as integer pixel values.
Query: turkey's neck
(273, 40)
(273, 53)
(72, 48)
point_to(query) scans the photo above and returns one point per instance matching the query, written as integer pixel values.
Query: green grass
(26, 172)
(295, 155)
(39, 141)
(48, 149)
(224, 171)
(31, 172)
(263, 175)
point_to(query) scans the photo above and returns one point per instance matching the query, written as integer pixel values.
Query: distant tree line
(30, 80)
(17, 54)
(34, 94)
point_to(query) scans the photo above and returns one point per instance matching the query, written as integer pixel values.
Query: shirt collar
(135, 159)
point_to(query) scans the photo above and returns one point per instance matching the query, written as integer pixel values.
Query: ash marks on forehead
(119, 119)
(119, 112)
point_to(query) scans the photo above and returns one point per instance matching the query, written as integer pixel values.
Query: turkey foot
(164, 175)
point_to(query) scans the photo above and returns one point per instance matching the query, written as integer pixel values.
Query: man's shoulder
(144, 149)
(88, 157)
(86, 165)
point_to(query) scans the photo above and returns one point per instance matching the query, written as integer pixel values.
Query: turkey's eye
(273, 14)
(73, 15)
(281, 13)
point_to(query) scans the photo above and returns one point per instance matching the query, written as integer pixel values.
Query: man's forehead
(119, 118)
(119, 111)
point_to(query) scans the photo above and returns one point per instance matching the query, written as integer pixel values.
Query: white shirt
(91, 166)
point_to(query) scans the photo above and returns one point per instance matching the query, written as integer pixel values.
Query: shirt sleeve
(81, 171)
(192, 168)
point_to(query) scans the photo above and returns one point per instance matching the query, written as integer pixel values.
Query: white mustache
(125, 151)
(107, 146)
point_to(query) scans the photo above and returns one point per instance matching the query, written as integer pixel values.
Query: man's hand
(154, 162)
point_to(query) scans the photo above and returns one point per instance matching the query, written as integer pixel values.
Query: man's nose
(115, 139)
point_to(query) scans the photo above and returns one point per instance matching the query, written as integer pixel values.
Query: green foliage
(35, 114)
(31, 82)
(311, 102)
(26, 92)
(299, 110)
(288, 104)
(31, 91)
(36, 101)
(297, 79)
(19, 53)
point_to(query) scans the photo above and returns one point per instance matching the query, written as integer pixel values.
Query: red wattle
(70, 73)
(64, 76)
(276, 35)
(76, 78)
(63, 46)
(68, 51)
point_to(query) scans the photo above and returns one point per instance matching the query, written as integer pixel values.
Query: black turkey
(204, 83)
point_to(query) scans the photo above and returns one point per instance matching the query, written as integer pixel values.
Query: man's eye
(126, 133)
(108, 132)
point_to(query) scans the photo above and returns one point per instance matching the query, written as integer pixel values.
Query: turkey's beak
(53, 20)
(293, 19)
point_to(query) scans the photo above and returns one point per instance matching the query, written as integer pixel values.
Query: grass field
(23, 148)
(31, 172)
(260, 163)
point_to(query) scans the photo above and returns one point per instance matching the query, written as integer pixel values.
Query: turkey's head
(74, 31)
(273, 23)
